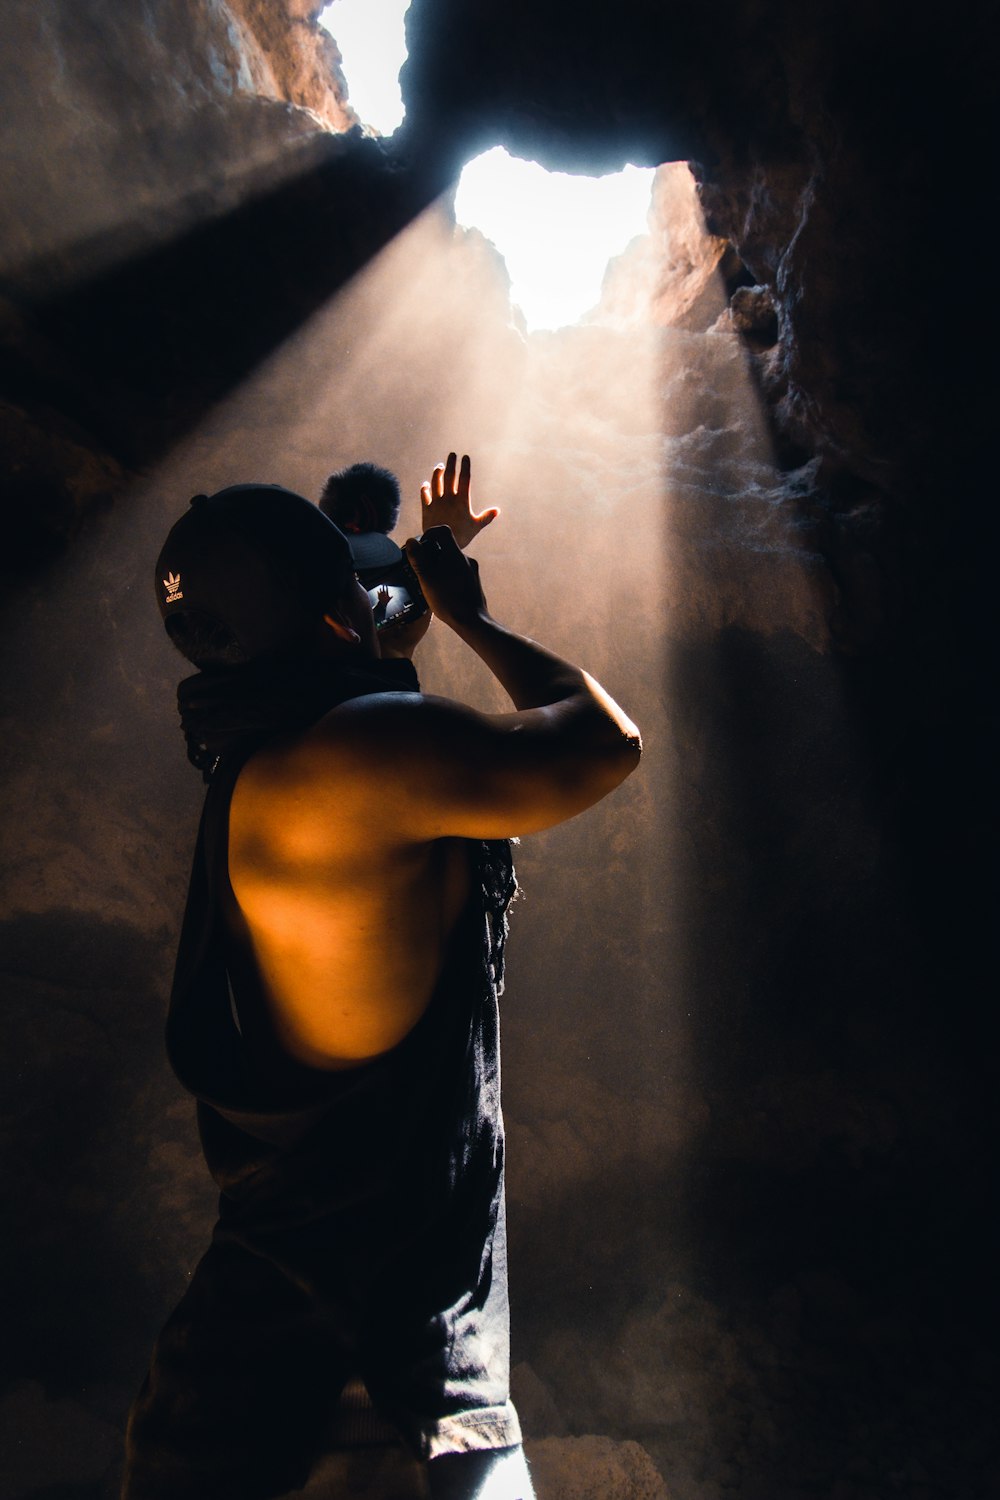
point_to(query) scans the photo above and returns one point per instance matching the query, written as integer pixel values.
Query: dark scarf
(237, 708)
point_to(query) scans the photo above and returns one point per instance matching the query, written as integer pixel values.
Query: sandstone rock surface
(593, 1468)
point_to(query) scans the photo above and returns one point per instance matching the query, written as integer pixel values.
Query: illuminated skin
(345, 847)
(447, 501)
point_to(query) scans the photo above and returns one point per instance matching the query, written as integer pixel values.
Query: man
(334, 1006)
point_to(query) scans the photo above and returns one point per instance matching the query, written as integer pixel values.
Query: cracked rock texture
(746, 1050)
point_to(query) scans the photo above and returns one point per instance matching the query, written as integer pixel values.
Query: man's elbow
(613, 758)
(617, 739)
(627, 753)
(622, 737)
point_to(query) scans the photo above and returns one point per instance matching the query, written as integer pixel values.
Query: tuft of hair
(362, 497)
(204, 640)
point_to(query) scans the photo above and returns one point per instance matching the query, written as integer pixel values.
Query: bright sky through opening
(556, 231)
(372, 43)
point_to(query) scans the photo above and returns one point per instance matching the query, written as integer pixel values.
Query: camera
(395, 593)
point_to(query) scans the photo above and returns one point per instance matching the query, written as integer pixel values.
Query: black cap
(373, 551)
(260, 560)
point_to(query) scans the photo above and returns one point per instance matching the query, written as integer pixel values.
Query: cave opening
(371, 39)
(556, 231)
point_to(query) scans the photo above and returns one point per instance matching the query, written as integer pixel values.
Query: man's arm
(411, 768)
(570, 744)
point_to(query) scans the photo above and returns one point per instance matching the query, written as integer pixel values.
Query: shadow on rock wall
(105, 1188)
(760, 1258)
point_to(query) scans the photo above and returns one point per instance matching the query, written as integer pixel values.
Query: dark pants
(247, 1372)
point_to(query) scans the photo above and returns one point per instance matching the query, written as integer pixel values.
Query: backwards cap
(258, 559)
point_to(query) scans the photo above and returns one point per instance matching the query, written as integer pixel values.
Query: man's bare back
(349, 924)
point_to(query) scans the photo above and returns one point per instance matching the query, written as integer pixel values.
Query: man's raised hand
(450, 582)
(446, 500)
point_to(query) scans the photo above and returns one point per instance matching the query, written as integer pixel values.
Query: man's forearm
(531, 675)
(535, 677)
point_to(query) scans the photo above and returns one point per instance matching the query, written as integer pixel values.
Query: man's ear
(344, 631)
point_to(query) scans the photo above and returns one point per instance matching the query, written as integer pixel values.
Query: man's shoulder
(368, 722)
(397, 768)
(364, 716)
(379, 736)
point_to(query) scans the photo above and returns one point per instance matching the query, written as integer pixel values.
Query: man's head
(253, 573)
(362, 498)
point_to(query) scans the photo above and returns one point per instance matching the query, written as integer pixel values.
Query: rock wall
(125, 125)
(745, 1050)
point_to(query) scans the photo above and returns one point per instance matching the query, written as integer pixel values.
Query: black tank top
(393, 1169)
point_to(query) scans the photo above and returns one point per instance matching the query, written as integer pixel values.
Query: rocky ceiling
(831, 142)
(169, 174)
